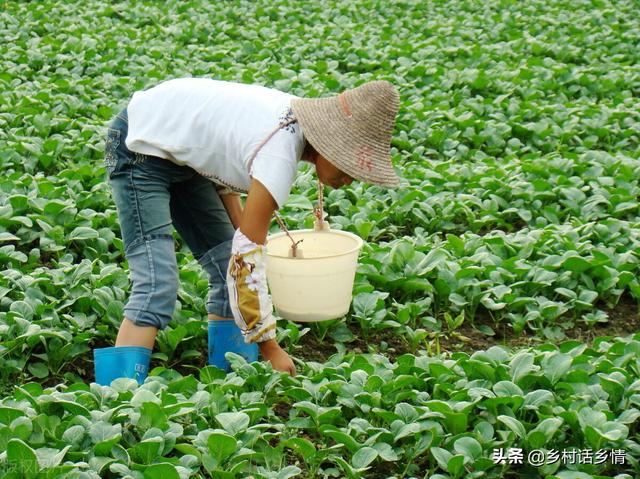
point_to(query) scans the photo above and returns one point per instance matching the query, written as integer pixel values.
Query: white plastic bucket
(317, 286)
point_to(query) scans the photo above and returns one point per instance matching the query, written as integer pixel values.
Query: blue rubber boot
(225, 336)
(121, 362)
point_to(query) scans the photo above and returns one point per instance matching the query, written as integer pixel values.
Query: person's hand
(279, 359)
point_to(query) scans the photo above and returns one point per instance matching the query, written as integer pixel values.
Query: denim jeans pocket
(110, 150)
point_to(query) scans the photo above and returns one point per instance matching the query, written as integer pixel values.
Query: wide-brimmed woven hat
(353, 130)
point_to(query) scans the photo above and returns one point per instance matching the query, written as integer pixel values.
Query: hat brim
(359, 147)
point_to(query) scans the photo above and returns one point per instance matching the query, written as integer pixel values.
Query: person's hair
(308, 150)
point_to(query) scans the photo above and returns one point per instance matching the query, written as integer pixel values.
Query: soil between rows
(624, 319)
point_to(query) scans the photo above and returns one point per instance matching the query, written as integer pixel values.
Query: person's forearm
(234, 208)
(257, 214)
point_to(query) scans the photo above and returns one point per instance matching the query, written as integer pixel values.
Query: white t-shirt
(214, 127)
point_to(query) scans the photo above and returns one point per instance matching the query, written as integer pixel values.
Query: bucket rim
(358, 247)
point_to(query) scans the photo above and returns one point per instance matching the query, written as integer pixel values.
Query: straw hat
(353, 130)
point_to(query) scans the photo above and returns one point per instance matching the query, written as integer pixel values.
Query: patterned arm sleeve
(248, 294)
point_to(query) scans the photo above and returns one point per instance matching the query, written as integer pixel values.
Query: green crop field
(495, 307)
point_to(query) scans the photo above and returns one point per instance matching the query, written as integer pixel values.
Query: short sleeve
(276, 174)
(276, 164)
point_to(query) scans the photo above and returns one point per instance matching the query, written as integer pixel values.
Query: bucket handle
(318, 211)
(319, 225)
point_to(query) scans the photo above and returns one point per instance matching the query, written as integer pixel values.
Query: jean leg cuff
(220, 308)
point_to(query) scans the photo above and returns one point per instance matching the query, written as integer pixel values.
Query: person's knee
(154, 282)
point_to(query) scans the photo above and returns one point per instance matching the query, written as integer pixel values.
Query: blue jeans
(153, 196)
